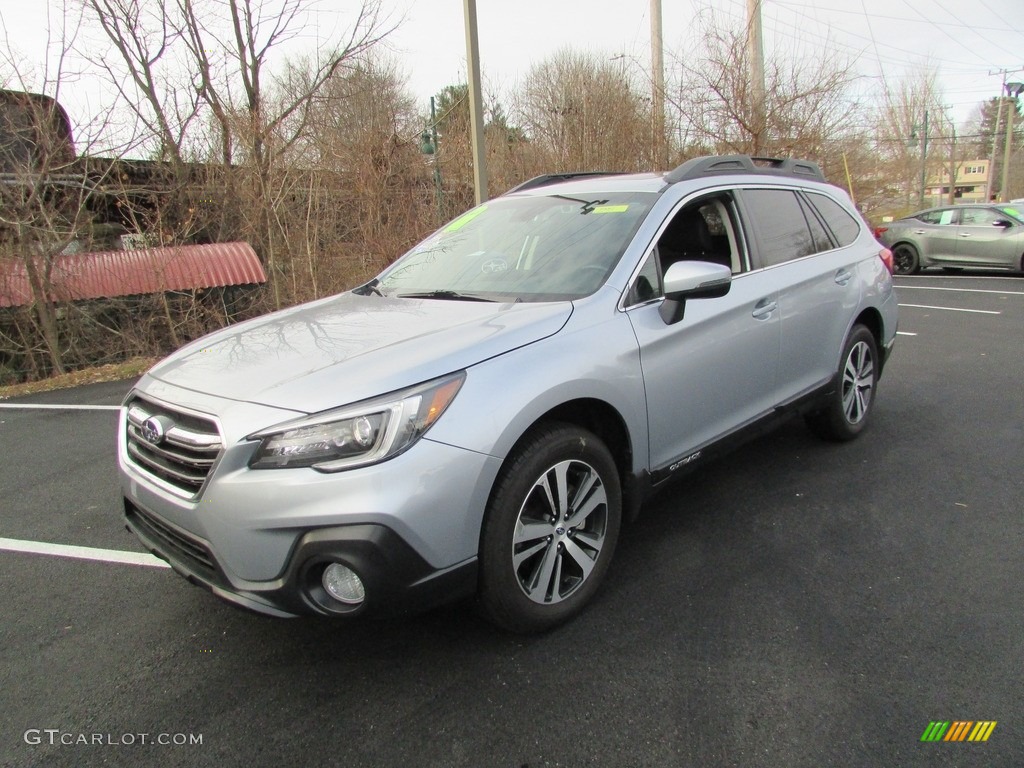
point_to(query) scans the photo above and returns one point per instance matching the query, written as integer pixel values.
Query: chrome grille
(175, 447)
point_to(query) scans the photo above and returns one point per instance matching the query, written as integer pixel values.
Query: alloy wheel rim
(560, 532)
(904, 259)
(858, 382)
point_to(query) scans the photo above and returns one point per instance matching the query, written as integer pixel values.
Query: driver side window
(703, 230)
(978, 217)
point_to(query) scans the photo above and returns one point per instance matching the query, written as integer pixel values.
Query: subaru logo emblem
(153, 430)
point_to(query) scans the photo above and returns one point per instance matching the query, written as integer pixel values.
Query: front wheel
(550, 529)
(846, 413)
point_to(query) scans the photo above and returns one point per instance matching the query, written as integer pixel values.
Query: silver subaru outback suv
(483, 416)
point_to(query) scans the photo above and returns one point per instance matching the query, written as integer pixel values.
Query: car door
(815, 280)
(983, 242)
(715, 369)
(935, 234)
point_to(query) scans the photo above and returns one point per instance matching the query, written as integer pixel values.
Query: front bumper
(409, 526)
(396, 578)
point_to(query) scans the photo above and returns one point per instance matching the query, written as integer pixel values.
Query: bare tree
(43, 186)
(807, 99)
(247, 87)
(585, 112)
(907, 155)
(362, 136)
(144, 35)
(226, 49)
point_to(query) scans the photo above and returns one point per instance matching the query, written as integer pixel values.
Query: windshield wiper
(442, 294)
(588, 205)
(367, 288)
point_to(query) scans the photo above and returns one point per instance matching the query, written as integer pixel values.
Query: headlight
(358, 434)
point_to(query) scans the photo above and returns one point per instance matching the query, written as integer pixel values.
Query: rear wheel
(846, 413)
(905, 260)
(550, 529)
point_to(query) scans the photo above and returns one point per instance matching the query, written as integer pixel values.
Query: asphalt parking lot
(794, 604)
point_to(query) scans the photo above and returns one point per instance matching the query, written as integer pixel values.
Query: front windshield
(522, 249)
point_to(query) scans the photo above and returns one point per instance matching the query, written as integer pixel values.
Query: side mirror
(692, 280)
(1003, 223)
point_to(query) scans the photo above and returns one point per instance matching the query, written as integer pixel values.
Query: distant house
(971, 184)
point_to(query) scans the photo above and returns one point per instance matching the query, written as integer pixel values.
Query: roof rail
(554, 178)
(699, 167)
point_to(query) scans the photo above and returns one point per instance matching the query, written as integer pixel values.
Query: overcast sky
(968, 41)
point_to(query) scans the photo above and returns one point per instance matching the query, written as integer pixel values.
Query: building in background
(970, 185)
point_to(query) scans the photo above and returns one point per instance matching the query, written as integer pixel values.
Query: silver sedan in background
(957, 237)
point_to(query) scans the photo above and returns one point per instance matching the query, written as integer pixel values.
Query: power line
(954, 39)
(905, 19)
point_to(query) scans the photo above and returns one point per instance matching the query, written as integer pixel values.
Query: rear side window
(783, 233)
(845, 227)
(818, 233)
(947, 216)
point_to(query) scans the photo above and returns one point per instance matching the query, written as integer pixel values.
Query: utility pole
(658, 91)
(476, 104)
(990, 177)
(995, 143)
(755, 51)
(429, 146)
(924, 156)
(1013, 90)
(952, 165)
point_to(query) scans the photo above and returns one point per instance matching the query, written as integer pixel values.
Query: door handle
(919, 232)
(965, 234)
(843, 276)
(764, 308)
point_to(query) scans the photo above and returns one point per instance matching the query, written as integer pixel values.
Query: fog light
(342, 583)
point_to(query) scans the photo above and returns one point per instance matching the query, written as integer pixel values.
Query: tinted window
(818, 233)
(844, 226)
(978, 217)
(782, 231)
(702, 231)
(943, 217)
(648, 282)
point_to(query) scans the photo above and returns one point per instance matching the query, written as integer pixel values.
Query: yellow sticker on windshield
(611, 209)
(464, 219)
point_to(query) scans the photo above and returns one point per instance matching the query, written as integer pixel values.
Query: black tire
(550, 530)
(905, 260)
(846, 413)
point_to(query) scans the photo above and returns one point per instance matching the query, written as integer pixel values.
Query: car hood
(350, 347)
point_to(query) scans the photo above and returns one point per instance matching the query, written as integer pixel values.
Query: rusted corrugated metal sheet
(108, 274)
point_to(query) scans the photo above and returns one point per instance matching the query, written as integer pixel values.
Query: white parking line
(51, 407)
(995, 275)
(82, 553)
(959, 290)
(953, 309)
(905, 333)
